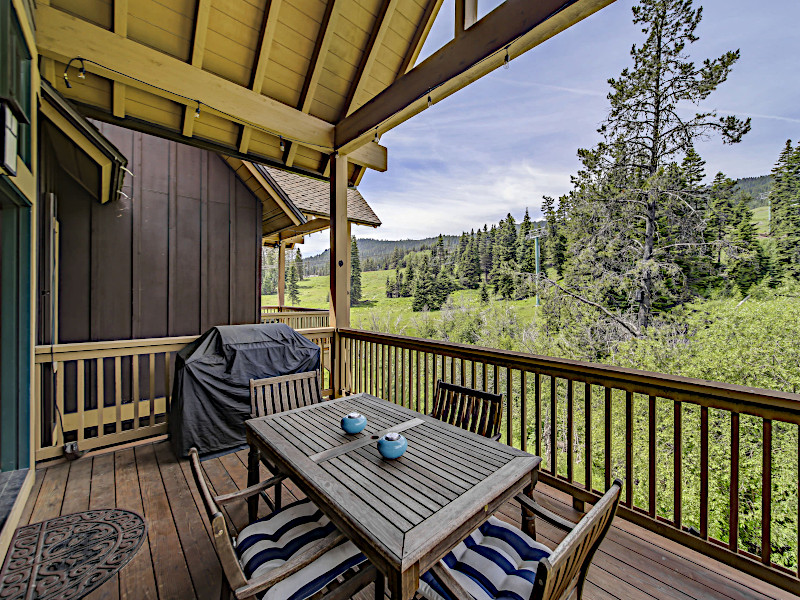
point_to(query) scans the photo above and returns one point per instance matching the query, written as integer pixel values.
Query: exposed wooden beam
(421, 34)
(253, 172)
(262, 57)
(198, 50)
(466, 15)
(516, 24)
(121, 29)
(62, 36)
(370, 53)
(371, 155)
(313, 225)
(326, 33)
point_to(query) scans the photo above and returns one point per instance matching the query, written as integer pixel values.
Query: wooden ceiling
(283, 82)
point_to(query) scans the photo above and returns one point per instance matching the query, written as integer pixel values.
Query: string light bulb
(430, 102)
(505, 60)
(283, 145)
(197, 111)
(377, 137)
(82, 72)
(66, 81)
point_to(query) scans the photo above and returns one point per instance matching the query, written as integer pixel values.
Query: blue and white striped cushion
(271, 541)
(496, 562)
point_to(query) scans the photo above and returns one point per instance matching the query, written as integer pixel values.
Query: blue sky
(507, 139)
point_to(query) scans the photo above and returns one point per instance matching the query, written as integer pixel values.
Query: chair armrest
(496, 438)
(290, 567)
(453, 588)
(544, 514)
(250, 491)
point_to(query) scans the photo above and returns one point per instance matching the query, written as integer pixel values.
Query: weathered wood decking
(177, 562)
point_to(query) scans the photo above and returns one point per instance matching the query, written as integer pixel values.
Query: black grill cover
(211, 390)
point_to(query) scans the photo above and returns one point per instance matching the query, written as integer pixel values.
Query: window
(15, 81)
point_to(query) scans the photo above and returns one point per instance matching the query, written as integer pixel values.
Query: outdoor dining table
(403, 514)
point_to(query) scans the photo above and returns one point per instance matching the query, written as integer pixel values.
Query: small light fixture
(82, 72)
(283, 145)
(197, 111)
(66, 81)
(430, 102)
(377, 137)
(505, 60)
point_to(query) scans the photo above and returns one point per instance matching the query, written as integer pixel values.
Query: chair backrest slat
(286, 392)
(474, 410)
(222, 538)
(563, 573)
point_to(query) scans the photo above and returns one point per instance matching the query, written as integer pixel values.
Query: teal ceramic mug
(392, 445)
(354, 423)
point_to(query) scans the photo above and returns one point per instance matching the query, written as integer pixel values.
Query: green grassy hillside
(761, 219)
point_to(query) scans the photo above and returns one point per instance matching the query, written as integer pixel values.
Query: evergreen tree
(486, 258)
(410, 275)
(722, 213)
(484, 294)
(355, 273)
(785, 210)
(389, 287)
(555, 242)
(423, 286)
(298, 264)
(294, 292)
(750, 264)
(526, 256)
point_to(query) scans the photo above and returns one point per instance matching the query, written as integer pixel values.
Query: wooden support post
(281, 276)
(340, 263)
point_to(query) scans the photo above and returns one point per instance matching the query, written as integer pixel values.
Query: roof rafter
(370, 53)
(198, 51)
(326, 32)
(120, 28)
(415, 47)
(262, 57)
(518, 25)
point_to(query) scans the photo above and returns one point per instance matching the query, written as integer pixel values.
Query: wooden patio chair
(491, 565)
(308, 556)
(277, 394)
(285, 392)
(474, 410)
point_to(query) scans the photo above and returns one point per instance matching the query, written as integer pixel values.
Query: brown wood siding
(178, 256)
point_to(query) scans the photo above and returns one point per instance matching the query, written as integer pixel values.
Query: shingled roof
(312, 196)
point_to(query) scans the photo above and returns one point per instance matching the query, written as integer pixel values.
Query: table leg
(528, 520)
(380, 586)
(253, 463)
(403, 586)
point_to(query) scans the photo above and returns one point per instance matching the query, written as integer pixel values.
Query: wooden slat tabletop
(404, 514)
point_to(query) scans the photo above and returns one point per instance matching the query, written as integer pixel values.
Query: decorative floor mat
(69, 556)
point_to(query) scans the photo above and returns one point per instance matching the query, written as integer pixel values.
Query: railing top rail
(316, 331)
(153, 344)
(756, 400)
(297, 314)
(294, 308)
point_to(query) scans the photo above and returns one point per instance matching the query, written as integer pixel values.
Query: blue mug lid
(392, 436)
(354, 415)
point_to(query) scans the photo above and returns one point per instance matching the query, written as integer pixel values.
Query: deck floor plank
(631, 564)
(27, 511)
(104, 495)
(169, 562)
(204, 567)
(137, 579)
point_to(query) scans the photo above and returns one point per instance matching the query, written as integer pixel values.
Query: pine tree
(423, 286)
(785, 210)
(750, 264)
(389, 287)
(298, 264)
(294, 292)
(555, 242)
(355, 273)
(526, 255)
(486, 258)
(484, 294)
(722, 213)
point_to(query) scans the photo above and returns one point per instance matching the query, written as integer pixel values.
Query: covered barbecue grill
(211, 393)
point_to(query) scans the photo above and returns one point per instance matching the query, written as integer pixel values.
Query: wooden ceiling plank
(326, 33)
(370, 53)
(61, 36)
(415, 47)
(120, 28)
(478, 51)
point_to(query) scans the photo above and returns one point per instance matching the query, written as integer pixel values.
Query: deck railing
(105, 393)
(295, 316)
(666, 437)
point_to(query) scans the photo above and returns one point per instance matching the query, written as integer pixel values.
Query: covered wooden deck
(178, 561)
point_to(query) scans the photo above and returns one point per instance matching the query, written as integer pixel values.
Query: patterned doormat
(69, 556)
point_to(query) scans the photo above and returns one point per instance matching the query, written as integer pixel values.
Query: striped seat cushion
(268, 543)
(496, 562)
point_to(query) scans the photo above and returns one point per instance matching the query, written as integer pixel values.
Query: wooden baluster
(553, 427)
(766, 494)
(537, 403)
(59, 395)
(118, 391)
(629, 448)
(152, 420)
(704, 472)
(473, 385)
(587, 415)
(426, 383)
(509, 407)
(607, 436)
(403, 397)
(570, 433)
(453, 369)
(167, 389)
(496, 381)
(733, 518)
(651, 434)
(81, 398)
(443, 365)
(37, 407)
(135, 389)
(101, 401)
(416, 383)
(461, 375)
(396, 388)
(678, 464)
(523, 410)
